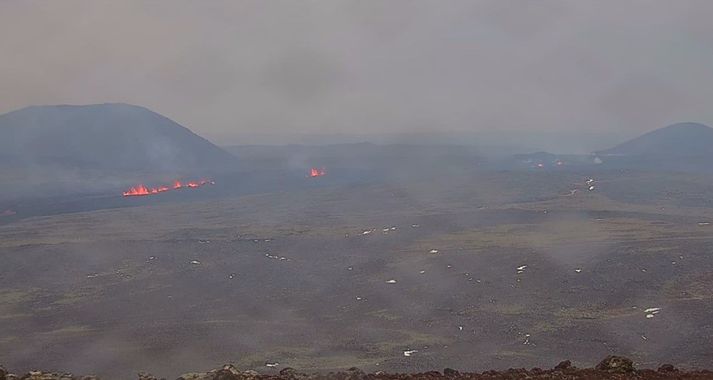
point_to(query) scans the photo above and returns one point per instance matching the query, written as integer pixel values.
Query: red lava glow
(315, 172)
(142, 190)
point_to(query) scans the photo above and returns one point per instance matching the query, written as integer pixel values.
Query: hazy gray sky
(226, 69)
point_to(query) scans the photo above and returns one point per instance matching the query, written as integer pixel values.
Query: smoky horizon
(356, 189)
(281, 72)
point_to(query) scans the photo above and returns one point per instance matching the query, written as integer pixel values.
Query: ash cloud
(288, 69)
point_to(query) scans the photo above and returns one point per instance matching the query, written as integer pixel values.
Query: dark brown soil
(612, 367)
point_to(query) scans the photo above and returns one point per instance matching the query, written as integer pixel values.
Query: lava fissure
(316, 172)
(142, 190)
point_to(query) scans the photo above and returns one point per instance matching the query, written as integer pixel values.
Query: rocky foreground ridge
(612, 367)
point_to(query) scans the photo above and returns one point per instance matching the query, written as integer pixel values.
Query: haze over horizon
(356, 189)
(258, 72)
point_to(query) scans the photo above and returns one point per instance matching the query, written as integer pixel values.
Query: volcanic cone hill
(103, 136)
(677, 140)
(679, 147)
(53, 150)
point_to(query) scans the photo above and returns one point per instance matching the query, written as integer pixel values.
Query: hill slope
(677, 140)
(114, 137)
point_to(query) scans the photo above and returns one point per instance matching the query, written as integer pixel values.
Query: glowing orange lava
(142, 190)
(315, 172)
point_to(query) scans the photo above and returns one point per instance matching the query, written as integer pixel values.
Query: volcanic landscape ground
(473, 272)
